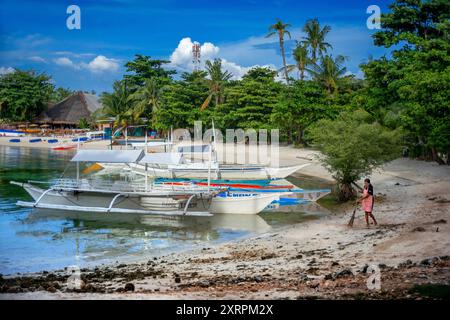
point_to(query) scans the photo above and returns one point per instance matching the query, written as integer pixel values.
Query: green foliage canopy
(24, 94)
(353, 145)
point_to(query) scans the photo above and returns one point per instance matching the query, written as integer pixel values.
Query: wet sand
(318, 259)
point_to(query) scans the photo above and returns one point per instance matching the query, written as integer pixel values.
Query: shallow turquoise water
(35, 240)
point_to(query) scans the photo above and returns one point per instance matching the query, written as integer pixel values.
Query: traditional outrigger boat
(175, 165)
(292, 192)
(100, 196)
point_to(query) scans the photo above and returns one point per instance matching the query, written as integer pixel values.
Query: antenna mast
(196, 54)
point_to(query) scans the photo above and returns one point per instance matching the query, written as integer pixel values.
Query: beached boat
(175, 165)
(11, 133)
(127, 197)
(200, 171)
(64, 147)
(249, 186)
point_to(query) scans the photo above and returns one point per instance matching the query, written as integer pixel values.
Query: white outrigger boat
(98, 196)
(199, 170)
(175, 165)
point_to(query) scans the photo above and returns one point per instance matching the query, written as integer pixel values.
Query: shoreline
(314, 259)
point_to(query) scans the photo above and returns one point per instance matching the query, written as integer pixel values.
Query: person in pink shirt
(367, 201)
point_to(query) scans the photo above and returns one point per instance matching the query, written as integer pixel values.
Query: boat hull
(224, 172)
(111, 202)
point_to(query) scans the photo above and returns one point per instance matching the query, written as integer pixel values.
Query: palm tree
(147, 98)
(120, 105)
(302, 60)
(329, 72)
(280, 29)
(315, 38)
(216, 81)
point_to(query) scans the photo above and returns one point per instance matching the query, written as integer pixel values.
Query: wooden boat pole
(78, 163)
(209, 167)
(126, 137)
(146, 165)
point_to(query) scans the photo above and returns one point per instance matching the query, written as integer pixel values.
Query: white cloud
(101, 64)
(181, 58)
(37, 59)
(6, 70)
(33, 40)
(73, 54)
(97, 65)
(66, 62)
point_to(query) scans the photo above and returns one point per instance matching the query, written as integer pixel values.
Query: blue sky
(33, 34)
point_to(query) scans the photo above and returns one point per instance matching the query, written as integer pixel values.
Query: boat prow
(283, 172)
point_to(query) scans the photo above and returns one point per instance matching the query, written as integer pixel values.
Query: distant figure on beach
(367, 201)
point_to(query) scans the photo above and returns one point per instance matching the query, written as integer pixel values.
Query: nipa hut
(68, 112)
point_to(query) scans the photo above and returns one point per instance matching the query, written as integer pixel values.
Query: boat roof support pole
(78, 163)
(187, 203)
(41, 196)
(126, 137)
(114, 200)
(146, 165)
(209, 168)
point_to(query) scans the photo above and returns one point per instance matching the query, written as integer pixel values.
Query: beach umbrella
(45, 126)
(33, 125)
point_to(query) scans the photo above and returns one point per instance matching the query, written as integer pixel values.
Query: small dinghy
(64, 147)
(14, 140)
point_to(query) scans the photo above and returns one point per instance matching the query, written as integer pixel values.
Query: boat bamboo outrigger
(100, 196)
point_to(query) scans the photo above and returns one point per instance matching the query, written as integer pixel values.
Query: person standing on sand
(367, 201)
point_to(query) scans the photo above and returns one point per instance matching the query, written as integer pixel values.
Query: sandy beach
(410, 249)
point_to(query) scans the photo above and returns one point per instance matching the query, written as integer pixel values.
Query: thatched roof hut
(71, 110)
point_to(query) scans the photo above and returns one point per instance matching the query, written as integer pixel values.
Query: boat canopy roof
(108, 156)
(162, 158)
(150, 144)
(194, 149)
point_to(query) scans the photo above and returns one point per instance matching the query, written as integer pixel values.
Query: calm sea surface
(36, 239)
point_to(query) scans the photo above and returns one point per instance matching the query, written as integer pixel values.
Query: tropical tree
(315, 38)
(280, 29)
(302, 60)
(300, 105)
(181, 100)
(24, 94)
(60, 94)
(216, 82)
(352, 146)
(120, 105)
(412, 89)
(143, 68)
(329, 72)
(250, 101)
(147, 98)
